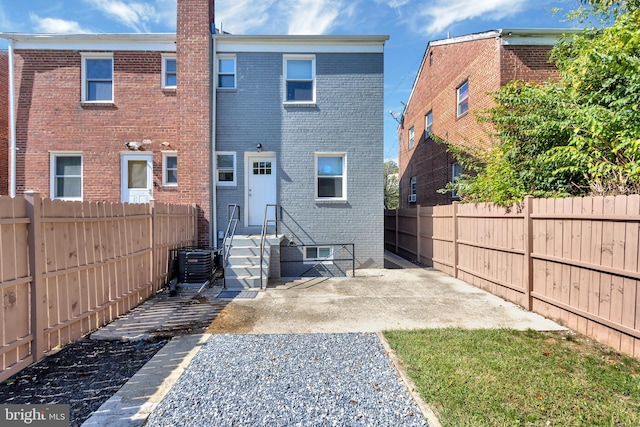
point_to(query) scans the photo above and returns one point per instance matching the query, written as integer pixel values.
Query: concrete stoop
(243, 267)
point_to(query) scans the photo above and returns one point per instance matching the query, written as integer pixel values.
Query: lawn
(520, 378)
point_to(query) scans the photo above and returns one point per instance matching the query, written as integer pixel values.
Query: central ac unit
(412, 198)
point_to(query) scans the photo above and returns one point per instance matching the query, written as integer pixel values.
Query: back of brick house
(454, 80)
(183, 118)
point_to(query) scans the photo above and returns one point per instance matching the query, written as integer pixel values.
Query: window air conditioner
(412, 198)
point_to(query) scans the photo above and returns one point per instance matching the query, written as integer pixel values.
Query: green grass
(514, 378)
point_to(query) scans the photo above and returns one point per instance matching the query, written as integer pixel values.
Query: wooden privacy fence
(67, 268)
(574, 260)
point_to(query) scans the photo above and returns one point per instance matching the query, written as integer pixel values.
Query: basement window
(318, 254)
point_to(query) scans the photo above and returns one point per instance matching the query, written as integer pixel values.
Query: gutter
(12, 124)
(213, 231)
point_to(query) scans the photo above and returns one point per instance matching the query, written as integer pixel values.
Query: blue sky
(411, 24)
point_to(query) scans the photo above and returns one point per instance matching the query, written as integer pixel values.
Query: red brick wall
(50, 117)
(4, 123)
(530, 63)
(444, 69)
(193, 96)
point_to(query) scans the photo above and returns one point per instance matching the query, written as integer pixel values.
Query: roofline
(508, 36)
(166, 41)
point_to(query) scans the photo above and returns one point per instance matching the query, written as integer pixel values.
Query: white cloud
(313, 16)
(442, 14)
(136, 16)
(56, 26)
(246, 16)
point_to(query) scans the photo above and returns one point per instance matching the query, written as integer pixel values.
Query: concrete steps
(243, 267)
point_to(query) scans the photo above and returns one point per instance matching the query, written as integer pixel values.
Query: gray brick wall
(347, 117)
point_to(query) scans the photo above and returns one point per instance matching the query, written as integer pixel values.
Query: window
(300, 74)
(456, 170)
(318, 253)
(226, 167)
(169, 72)
(169, 169)
(331, 180)
(413, 187)
(227, 71)
(428, 124)
(97, 77)
(66, 176)
(463, 98)
(411, 138)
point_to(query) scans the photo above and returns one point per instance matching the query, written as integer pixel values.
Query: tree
(391, 185)
(579, 135)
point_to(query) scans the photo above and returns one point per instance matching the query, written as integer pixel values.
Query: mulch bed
(83, 374)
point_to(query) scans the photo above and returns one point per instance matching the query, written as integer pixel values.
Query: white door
(137, 178)
(261, 188)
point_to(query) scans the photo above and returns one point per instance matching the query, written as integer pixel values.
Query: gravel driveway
(289, 380)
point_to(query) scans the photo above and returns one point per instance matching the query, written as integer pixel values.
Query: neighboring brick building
(214, 120)
(453, 81)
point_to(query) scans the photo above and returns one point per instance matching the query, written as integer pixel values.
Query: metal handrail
(263, 237)
(227, 241)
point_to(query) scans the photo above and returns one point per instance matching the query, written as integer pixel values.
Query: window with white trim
(227, 71)
(313, 254)
(97, 77)
(170, 169)
(463, 98)
(66, 176)
(226, 168)
(300, 78)
(428, 124)
(456, 171)
(331, 176)
(411, 137)
(169, 71)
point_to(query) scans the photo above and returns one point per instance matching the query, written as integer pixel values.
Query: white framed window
(97, 77)
(227, 71)
(412, 140)
(456, 171)
(315, 254)
(300, 78)
(169, 71)
(413, 189)
(331, 176)
(66, 175)
(428, 124)
(226, 175)
(463, 98)
(169, 169)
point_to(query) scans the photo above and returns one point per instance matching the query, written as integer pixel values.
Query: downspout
(213, 231)
(12, 123)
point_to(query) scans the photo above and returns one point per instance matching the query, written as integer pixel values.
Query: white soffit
(297, 44)
(108, 42)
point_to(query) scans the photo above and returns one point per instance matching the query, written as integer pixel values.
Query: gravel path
(289, 380)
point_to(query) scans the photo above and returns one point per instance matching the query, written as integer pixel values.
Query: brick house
(454, 80)
(4, 123)
(214, 120)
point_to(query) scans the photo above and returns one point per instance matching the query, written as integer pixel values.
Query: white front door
(261, 187)
(137, 178)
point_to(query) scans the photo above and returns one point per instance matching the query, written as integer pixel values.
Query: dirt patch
(234, 319)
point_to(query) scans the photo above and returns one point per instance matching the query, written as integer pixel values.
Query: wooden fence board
(580, 262)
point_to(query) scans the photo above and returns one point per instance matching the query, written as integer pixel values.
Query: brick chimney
(193, 93)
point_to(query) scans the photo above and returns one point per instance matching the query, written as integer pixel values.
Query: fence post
(418, 233)
(528, 249)
(152, 234)
(455, 239)
(36, 270)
